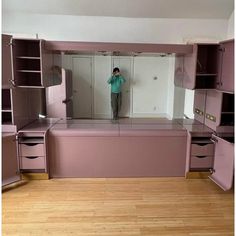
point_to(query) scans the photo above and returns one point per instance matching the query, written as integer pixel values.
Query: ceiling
(206, 9)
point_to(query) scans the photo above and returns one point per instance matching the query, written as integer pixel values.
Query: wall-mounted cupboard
(209, 66)
(214, 109)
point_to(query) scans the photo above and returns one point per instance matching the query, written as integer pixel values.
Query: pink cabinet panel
(213, 108)
(32, 162)
(201, 162)
(227, 66)
(202, 149)
(199, 105)
(116, 156)
(32, 149)
(6, 61)
(179, 70)
(10, 167)
(223, 169)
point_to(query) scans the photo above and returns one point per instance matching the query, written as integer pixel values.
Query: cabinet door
(223, 170)
(227, 73)
(179, 70)
(190, 63)
(6, 61)
(10, 167)
(213, 108)
(199, 105)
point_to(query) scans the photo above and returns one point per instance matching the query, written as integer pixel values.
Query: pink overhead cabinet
(32, 64)
(59, 97)
(225, 80)
(10, 167)
(200, 68)
(223, 169)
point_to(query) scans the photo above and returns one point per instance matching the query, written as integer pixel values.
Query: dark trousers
(115, 104)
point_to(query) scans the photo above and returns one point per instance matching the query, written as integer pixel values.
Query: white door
(125, 66)
(82, 87)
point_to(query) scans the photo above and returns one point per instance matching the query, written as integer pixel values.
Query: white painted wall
(188, 103)
(150, 86)
(230, 32)
(113, 29)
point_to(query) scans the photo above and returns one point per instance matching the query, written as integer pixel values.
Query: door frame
(92, 79)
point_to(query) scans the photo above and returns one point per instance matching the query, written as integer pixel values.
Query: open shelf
(6, 99)
(28, 58)
(227, 111)
(28, 78)
(28, 64)
(7, 117)
(26, 48)
(205, 81)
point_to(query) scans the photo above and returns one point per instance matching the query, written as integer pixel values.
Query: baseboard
(197, 175)
(34, 176)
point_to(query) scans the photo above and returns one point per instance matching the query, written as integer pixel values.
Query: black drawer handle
(202, 144)
(30, 144)
(33, 157)
(201, 156)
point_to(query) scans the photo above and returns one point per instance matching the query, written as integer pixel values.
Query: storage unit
(210, 66)
(33, 66)
(32, 151)
(202, 153)
(214, 109)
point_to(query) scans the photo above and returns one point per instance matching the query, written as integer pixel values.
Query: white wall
(113, 29)
(188, 103)
(230, 32)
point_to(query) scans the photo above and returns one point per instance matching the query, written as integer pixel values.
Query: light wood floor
(118, 207)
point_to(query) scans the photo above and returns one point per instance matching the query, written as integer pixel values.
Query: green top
(116, 82)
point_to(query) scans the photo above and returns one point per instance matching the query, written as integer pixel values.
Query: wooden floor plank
(118, 207)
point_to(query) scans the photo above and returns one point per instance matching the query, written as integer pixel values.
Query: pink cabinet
(200, 68)
(226, 78)
(10, 167)
(6, 61)
(32, 151)
(223, 169)
(33, 66)
(208, 66)
(219, 111)
(214, 109)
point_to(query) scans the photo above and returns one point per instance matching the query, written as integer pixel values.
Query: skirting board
(34, 176)
(197, 175)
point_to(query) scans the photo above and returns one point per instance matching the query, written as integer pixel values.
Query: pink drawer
(31, 149)
(201, 162)
(199, 149)
(32, 162)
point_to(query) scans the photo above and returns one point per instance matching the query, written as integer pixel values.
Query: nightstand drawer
(31, 149)
(32, 162)
(202, 149)
(201, 161)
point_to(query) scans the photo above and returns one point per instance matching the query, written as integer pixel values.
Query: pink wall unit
(32, 65)
(117, 47)
(85, 153)
(10, 167)
(223, 169)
